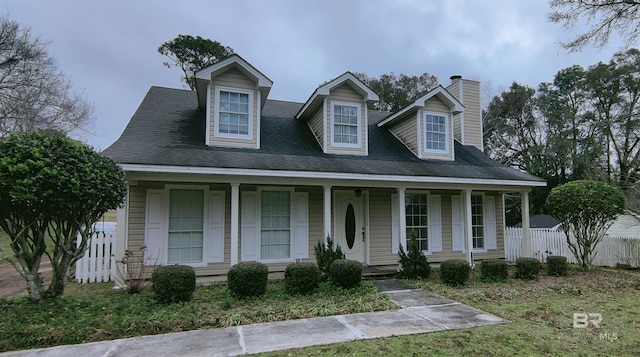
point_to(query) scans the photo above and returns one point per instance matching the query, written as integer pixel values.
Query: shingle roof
(168, 129)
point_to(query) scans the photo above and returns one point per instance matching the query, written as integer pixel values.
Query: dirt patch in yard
(13, 284)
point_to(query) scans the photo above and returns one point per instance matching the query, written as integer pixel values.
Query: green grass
(540, 314)
(95, 312)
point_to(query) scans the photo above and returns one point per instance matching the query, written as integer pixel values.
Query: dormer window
(346, 124)
(436, 133)
(233, 113)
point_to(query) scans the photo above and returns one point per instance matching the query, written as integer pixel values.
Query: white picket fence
(98, 263)
(611, 251)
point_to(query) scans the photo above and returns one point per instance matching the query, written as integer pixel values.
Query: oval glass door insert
(350, 226)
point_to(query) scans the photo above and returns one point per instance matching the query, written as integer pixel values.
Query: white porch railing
(98, 263)
(611, 251)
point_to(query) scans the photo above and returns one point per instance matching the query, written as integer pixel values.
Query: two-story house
(223, 174)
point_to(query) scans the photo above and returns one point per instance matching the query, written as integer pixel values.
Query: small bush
(346, 273)
(557, 265)
(494, 270)
(326, 255)
(454, 272)
(173, 283)
(133, 270)
(301, 278)
(527, 268)
(248, 279)
(413, 264)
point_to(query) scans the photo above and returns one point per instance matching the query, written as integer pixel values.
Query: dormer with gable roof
(336, 113)
(426, 125)
(233, 93)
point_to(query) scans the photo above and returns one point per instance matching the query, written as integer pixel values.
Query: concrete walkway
(420, 312)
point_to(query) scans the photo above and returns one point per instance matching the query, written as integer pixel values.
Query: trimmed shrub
(326, 255)
(494, 270)
(454, 272)
(173, 283)
(346, 273)
(413, 264)
(557, 265)
(527, 268)
(301, 278)
(248, 279)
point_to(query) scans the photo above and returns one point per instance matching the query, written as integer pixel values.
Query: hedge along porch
(223, 174)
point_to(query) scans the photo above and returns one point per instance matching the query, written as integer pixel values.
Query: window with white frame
(186, 226)
(275, 224)
(416, 207)
(234, 117)
(477, 221)
(346, 124)
(435, 132)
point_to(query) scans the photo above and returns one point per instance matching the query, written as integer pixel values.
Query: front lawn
(541, 315)
(95, 312)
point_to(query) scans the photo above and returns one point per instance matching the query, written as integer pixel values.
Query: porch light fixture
(358, 192)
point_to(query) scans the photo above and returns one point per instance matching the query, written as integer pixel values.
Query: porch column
(403, 214)
(235, 221)
(526, 231)
(468, 232)
(122, 215)
(327, 212)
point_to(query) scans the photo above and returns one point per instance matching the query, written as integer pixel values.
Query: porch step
(376, 272)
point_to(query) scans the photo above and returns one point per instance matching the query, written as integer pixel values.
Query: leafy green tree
(52, 186)
(192, 54)
(396, 92)
(604, 16)
(586, 209)
(326, 255)
(413, 264)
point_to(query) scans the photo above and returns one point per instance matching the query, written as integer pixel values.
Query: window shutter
(395, 224)
(435, 224)
(215, 231)
(155, 225)
(301, 225)
(457, 224)
(249, 227)
(490, 222)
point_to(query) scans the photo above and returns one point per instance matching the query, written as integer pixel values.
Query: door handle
(363, 234)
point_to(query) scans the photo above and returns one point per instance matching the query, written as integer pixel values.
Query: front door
(350, 224)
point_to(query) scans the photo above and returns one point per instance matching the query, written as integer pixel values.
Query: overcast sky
(109, 48)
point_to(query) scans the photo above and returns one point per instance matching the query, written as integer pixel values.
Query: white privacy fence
(98, 263)
(611, 251)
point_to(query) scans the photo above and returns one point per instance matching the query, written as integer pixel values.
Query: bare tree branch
(34, 94)
(604, 18)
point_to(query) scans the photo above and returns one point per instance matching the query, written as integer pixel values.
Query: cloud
(110, 48)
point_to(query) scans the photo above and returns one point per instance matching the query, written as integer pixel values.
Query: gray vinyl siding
(454, 89)
(316, 123)
(472, 114)
(407, 132)
(344, 93)
(233, 78)
(379, 226)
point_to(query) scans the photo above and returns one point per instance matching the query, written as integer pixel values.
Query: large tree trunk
(30, 273)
